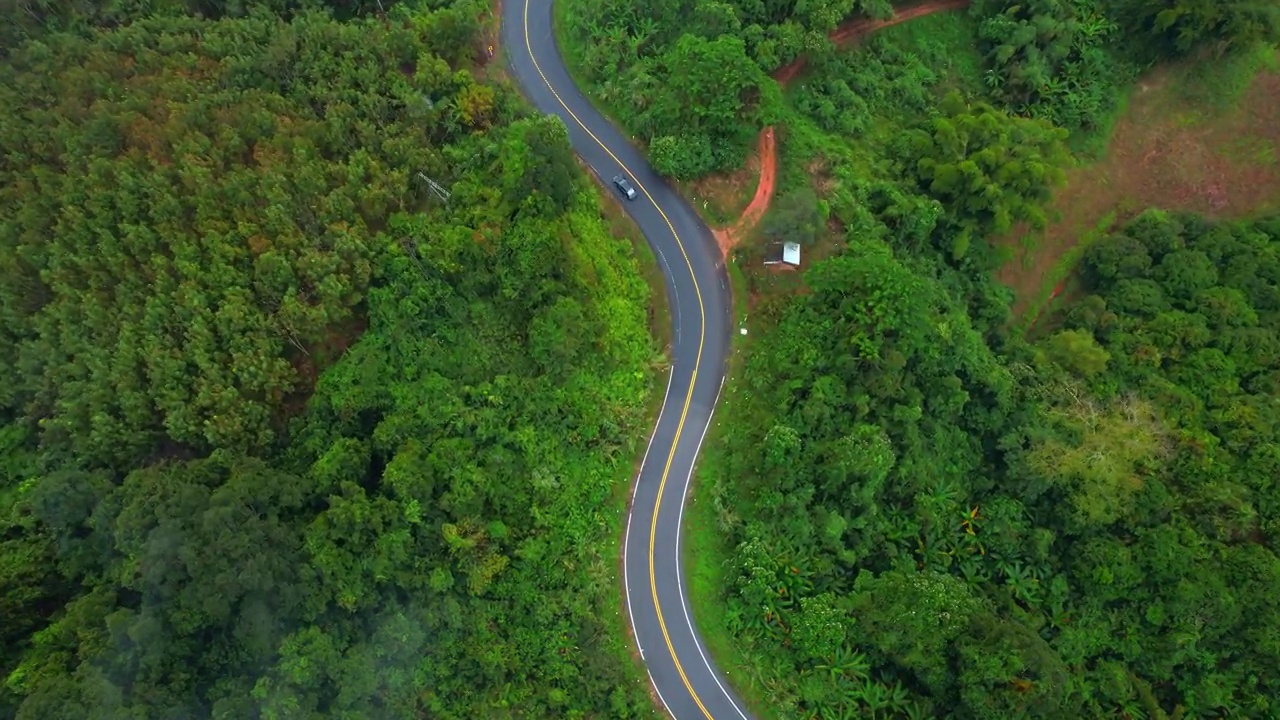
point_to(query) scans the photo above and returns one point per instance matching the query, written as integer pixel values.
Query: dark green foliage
(1182, 26)
(702, 124)
(29, 19)
(539, 166)
(1087, 528)
(282, 433)
(689, 76)
(794, 217)
(927, 517)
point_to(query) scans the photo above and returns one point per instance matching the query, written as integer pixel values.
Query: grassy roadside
(572, 52)
(705, 549)
(622, 226)
(606, 567)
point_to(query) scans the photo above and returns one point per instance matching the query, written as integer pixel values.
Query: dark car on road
(625, 187)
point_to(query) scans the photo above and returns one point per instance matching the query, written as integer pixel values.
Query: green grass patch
(1218, 84)
(1091, 144)
(705, 556)
(706, 551)
(605, 566)
(1250, 150)
(947, 43)
(1062, 270)
(622, 226)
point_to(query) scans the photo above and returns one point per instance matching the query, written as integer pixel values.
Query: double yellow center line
(693, 380)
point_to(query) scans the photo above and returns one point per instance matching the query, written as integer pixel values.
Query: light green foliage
(990, 169)
(819, 630)
(1100, 455)
(1077, 351)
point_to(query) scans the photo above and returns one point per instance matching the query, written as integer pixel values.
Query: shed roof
(783, 252)
(791, 253)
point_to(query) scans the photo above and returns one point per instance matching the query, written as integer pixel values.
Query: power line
(435, 188)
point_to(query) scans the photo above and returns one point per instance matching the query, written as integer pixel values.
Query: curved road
(680, 667)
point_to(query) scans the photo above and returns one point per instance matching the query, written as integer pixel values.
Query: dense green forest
(284, 433)
(691, 80)
(923, 512)
(1081, 527)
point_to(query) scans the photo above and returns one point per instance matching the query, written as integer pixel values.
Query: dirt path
(727, 237)
(855, 29)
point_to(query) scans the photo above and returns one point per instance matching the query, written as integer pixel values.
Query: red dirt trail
(728, 236)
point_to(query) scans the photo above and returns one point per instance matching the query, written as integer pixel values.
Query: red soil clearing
(727, 237)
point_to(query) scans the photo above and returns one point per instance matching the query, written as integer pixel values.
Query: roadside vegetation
(913, 507)
(284, 431)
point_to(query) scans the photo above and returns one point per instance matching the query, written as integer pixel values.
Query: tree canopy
(284, 431)
(1077, 528)
(990, 169)
(1187, 25)
(912, 508)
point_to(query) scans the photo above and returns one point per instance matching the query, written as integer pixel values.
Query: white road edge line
(697, 641)
(626, 538)
(659, 694)
(644, 460)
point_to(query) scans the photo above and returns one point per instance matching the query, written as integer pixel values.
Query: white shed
(783, 253)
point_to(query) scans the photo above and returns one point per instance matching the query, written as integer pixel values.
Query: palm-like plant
(873, 696)
(917, 710)
(1021, 581)
(847, 664)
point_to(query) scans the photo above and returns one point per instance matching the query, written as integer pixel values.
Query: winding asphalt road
(687, 682)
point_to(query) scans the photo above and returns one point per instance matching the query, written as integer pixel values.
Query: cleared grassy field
(1202, 137)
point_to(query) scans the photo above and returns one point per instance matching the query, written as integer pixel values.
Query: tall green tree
(991, 170)
(711, 94)
(1051, 59)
